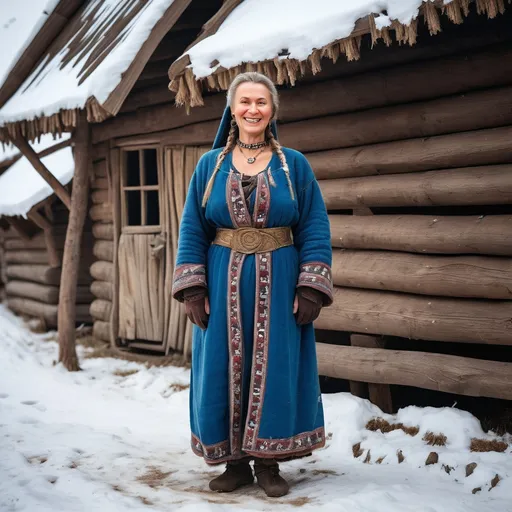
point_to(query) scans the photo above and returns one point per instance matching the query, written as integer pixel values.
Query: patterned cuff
(317, 275)
(185, 276)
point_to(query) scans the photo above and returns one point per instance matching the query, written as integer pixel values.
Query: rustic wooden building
(90, 61)
(408, 129)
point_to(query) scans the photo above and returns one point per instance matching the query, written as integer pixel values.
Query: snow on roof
(283, 38)
(22, 187)
(259, 30)
(87, 60)
(21, 20)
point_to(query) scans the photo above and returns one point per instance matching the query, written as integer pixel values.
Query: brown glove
(310, 303)
(195, 305)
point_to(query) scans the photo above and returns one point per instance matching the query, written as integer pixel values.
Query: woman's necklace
(251, 159)
(256, 145)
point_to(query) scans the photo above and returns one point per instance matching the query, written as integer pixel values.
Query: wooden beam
(472, 111)
(24, 256)
(424, 233)
(418, 317)
(72, 245)
(466, 186)
(379, 394)
(102, 290)
(47, 294)
(116, 98)
(103, 250)
(43, 274)
(439, 372)
(103, 231)
(28, 152)
(483, 277)
(25, 229)
(479, 147)
(102, 271)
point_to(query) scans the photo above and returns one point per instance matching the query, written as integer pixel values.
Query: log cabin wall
(32, 277)
(412, 150)
(102, 271)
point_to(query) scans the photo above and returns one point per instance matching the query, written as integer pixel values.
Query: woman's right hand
(197, 306)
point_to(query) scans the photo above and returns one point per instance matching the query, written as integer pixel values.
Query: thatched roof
(91, 63)
(233, 44)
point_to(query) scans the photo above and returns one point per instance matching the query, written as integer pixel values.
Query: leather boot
(269, 479)
(237, 473)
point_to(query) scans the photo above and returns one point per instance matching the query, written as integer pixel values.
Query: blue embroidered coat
(254, 384)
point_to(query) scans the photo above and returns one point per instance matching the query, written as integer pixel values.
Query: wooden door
(141, 249)
(179, 165)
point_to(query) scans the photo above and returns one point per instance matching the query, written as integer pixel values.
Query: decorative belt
(254, 240)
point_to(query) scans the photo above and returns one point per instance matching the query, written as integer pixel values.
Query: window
(140, 190)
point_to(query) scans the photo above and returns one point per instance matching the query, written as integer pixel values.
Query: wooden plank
(472, 111)
(418, 317)
(114, 168)
(479, 147)
(29, 153)
(483, 277)
(424, 233)
(439, 372)
(467, 186)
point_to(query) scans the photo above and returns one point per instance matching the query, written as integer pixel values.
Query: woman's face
(252, 108)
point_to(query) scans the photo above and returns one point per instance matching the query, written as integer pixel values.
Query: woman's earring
(233, 122)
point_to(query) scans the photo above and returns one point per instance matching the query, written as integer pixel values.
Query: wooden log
(101, 330)
(28, 152)
(420, 80)
(418, 317)
(101, 213)
(424, 233)
(101, 309)
(100, 169)
(45, 293)
(34, 308)
(100, 196)
(38, 242)
(43, 274)
(486, 185)
(479, 147)
(35, 257)
(103, 231)
(102, 271)
(104, 250)
(439, 372)
(484, 277)
(54, 254)
(72, 245)
(102, 290)
(379, 394)
(471, 111)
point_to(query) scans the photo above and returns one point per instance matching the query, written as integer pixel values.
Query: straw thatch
(282, 70)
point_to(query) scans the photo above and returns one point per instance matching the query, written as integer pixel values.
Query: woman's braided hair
(257, 78)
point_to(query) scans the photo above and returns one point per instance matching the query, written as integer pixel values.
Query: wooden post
(27, 151)
(380, 394)
(71, 257)
(41, 221)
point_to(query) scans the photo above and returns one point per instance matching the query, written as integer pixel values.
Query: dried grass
(435, 439)
(484, 445)
(125, 373)
(384, 426)
(433, 458)
(154, 477)
(400, 456)
(357, 451)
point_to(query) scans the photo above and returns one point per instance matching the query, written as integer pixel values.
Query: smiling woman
(253, 269)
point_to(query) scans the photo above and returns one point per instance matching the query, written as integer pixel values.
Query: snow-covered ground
(115, 437)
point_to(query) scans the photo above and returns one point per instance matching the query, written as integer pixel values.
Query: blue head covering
(225, 125)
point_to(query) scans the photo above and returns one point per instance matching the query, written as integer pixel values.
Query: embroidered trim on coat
(236, 356)
(262, 202)
(215, 453)
(187, 275)
(317, 275)
(260, 350)
(236, 202)
(304, 442)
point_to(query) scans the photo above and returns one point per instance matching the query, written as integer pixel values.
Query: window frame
(142, 188)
